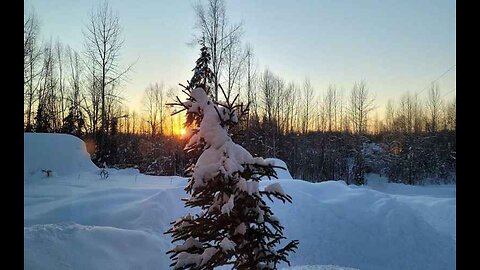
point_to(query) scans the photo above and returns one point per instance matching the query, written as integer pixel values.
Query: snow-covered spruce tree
(234, 225)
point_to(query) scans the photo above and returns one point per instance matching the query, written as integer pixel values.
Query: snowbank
(62, 154)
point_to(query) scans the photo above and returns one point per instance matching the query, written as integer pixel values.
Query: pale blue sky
(395, 46)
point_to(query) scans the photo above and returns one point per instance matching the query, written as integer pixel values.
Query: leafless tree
(417, 115)
(103, 42)
(279, 103)
(291, 98)
(331, 104)
(250, 84)
(217, 33)
(389, 115)
(452, 114)
(31, 60)
(92, 99)
(320, 114)
(266, 91)
(60, 52)
(235, 58)
(134, 121)
(343, 120)
(171, 119)
(433, 105)
(308, 97)
(361, 104)
(75, 77)
(74, 83)
(153, 101)
(377, 124)
(47, 94)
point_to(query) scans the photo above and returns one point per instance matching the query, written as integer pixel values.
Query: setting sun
(182, 132)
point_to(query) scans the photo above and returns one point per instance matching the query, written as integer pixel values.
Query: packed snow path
(76, 220)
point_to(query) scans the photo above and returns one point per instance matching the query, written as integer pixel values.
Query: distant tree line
(322, 134)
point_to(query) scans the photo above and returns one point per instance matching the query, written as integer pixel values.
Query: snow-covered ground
(76, 220)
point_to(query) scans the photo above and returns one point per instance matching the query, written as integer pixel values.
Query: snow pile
(62, 154)
(78, 221)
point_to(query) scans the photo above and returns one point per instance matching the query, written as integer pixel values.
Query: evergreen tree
(42, 121)
(235, 225)
(69, 123)
(73, 122)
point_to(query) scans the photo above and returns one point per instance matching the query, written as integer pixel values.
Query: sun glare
(182, 132)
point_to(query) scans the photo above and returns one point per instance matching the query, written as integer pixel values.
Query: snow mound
(362, 228)
(282, 174)
(62, 154)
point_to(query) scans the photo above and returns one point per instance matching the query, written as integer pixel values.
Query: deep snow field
(76, 220)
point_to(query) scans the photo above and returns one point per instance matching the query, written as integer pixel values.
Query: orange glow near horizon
(182, 132)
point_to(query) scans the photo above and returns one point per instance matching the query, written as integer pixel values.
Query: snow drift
(62, 154)
(76, 220)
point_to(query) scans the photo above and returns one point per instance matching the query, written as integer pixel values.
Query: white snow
(185, 258)
(207, 254)
(275, 188)
(281, 173)
(189, 243)
(74, 246)
(76, 220)
(241, 229)
(252, 187)
(227, 244)
(242, 184)
(221, 154)
(62, 154)
(227, 207)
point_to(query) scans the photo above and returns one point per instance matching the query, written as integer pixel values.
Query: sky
(394, 46)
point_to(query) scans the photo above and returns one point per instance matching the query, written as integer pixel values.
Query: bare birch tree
(31, 64)
(153, 101)
(217, 33)
(433, 105)
(103, 42)
(308, 97)
(361, 104)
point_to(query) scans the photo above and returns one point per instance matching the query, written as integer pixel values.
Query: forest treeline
(322, 134)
